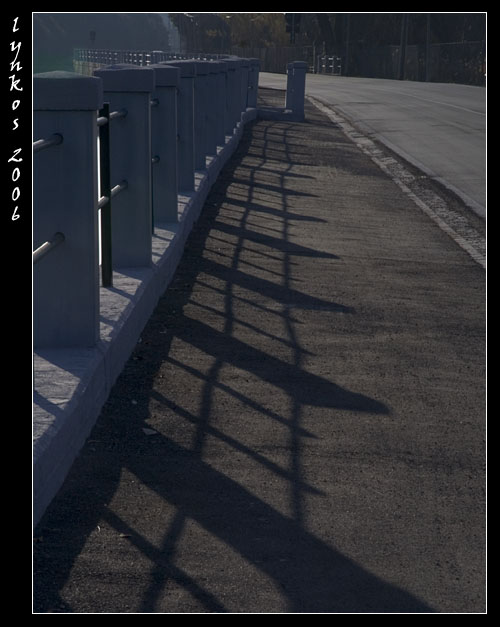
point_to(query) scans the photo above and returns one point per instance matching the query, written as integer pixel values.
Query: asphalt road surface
(439, 127)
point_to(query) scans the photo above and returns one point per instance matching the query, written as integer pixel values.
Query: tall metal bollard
(295, 88)
(185, 123)
(66, 280)
(129, 88)
(164, 143)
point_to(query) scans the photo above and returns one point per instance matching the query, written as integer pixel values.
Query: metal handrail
(103, 119)
(121, 113)
(57, 238)
(104, 200)
(53, 140)
(41, 251)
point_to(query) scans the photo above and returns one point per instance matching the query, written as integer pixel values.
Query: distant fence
(463, 62)
(272, 59)
(275, 59)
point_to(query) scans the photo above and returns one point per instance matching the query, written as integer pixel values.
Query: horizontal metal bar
(121, 113)
(154, 102)
(118, 188)
(53, 140)
(103, 200)
(46, 247)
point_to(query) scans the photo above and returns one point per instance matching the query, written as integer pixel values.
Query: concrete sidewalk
(301, 427)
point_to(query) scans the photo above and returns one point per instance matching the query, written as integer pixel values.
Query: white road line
(455, 225)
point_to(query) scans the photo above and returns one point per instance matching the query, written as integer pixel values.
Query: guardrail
(145, 127)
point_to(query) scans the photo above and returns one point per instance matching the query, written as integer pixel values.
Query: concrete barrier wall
(174, 125)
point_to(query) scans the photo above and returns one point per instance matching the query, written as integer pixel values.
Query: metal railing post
(105, 180)
(66, 279)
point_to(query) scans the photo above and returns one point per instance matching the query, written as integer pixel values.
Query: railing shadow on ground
(190, 356)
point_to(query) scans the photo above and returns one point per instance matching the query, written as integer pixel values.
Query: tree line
(55, 35)
(218, 32)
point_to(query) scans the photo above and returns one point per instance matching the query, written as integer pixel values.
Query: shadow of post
(310, 575)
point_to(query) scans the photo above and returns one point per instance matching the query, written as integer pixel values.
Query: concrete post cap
(66, 91)
(125, 77)
(202, 67)
(218, 67)
(186, 68)
(165, 75)
(297, 65)
(233, 63)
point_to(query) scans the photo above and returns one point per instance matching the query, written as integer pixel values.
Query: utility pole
(292, 25)
(402, 45)
(428, 49)
(347, 25)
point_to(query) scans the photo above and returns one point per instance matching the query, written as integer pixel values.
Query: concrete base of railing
(280, 114)
(72, 385)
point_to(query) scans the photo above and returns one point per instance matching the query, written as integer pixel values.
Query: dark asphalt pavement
(301, 428)
(441, 127)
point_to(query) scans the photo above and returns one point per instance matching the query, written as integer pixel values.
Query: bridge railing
(147, 127)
